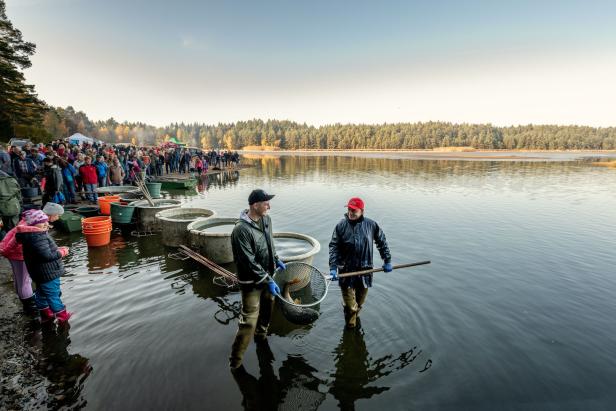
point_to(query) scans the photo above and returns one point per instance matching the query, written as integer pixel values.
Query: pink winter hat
(36, 217)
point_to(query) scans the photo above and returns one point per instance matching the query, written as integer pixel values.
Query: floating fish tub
(177, 183)
(131, 196)
(115, 190)
(176, 221)
(154, 189)
(87, 211)
(296, 247)
(70, 207)
(212, 238)
(146, 214)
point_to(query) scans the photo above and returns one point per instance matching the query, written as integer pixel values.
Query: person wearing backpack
(10, 200)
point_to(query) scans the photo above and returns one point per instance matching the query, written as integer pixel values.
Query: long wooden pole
(376, 270)
(144, 190)
(209, 264)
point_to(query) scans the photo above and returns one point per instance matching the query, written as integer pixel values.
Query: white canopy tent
(79, 138)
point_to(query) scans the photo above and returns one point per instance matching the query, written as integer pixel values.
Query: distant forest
(60, 122)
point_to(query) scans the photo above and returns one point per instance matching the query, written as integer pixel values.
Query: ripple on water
(516, 308)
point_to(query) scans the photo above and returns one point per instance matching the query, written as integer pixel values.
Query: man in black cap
(255, 257)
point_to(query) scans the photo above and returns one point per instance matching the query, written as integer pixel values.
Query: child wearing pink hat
(44, 263)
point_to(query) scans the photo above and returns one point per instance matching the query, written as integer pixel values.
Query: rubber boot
(350, 317)
(63, 316)
(46, 315)
(241, 342)
(235, 364)
(30, 307)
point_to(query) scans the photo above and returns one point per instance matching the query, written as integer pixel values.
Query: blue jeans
(92, 196)
(69, 191)
(48, 295)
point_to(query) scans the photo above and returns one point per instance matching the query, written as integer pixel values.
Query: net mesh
(303, 283)
(302, 287)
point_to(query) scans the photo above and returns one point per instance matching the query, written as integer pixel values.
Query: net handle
(376, 270)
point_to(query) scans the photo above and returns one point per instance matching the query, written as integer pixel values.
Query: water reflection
(331, 167)
(105, 257)
(204, 285)
(66, 373)
(356, 371)
(296, 388)
(218, 180)
(511, 268)
(228, 301)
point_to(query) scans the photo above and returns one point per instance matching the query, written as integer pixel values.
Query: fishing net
(302, 288)
(226, 282)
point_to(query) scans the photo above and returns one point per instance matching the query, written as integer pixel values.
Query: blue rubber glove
(273, 288)
(281, 265)
(334, 273)
(387, 267)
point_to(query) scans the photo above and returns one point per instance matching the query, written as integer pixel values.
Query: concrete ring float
(146, 214)
(215, 246)
(305, 257)
(176, 220)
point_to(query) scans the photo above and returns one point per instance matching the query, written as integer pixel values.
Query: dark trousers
(257, 307)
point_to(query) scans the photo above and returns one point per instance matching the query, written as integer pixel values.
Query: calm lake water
(516, 310)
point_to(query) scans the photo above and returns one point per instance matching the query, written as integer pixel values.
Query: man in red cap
(350, 249)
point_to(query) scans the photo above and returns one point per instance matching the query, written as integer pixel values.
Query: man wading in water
(255, 257)
(350, 249)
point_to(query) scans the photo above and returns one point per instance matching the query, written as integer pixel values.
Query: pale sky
(323, 62)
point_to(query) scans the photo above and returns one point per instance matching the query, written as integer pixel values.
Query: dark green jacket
(253, 250)
(10, 195)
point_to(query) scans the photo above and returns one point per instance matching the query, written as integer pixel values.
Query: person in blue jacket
(350, 249)
(102, 171)
(68, 175)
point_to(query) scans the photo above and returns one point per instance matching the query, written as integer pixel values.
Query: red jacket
(88, 174)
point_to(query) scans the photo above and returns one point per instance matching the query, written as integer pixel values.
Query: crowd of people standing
(64, 171)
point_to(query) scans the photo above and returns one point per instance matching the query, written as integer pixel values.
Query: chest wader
(353, 299)
(255, 316)
(257, 307)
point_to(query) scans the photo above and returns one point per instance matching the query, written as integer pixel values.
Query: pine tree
(19, 104)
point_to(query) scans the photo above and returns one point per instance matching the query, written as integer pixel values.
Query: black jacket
(43, 260)
(53, 179)
(254, 252)
(350, 248)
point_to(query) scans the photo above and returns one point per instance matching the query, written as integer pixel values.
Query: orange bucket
(104, 203)
(95, 222)
(98, 237)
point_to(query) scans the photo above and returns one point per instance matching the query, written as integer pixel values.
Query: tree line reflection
(310, 167)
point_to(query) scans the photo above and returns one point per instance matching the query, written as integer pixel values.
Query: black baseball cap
(258, 195)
